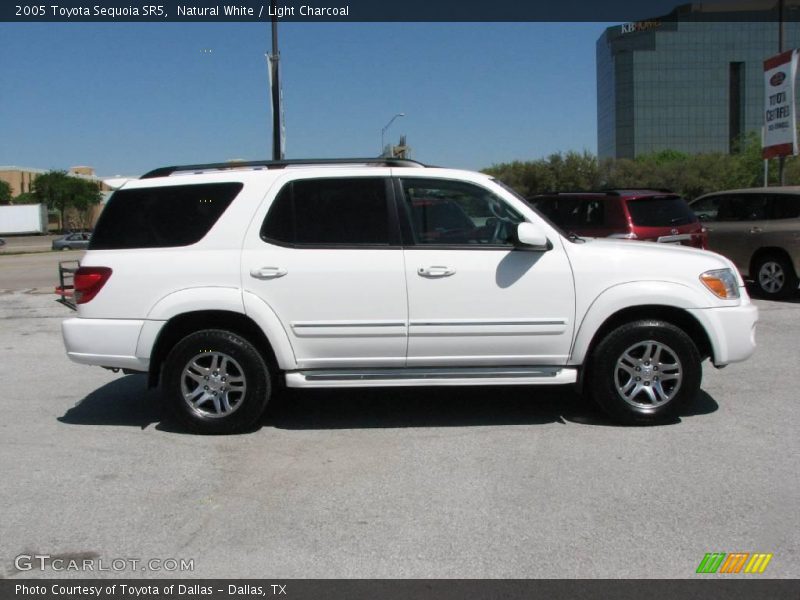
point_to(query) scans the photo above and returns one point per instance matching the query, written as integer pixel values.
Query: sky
(128, 97)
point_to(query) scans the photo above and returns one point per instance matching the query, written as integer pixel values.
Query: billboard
(780, 127)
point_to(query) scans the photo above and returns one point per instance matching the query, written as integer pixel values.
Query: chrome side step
(432, 376)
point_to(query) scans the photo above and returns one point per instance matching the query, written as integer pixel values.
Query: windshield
(661, 211)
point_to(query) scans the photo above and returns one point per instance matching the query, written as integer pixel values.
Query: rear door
(326, 257)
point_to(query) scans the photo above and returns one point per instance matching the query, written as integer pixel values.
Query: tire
(774, 276)
(216, 381)
(664, 386)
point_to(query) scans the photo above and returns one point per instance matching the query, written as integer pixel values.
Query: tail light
(89, 281)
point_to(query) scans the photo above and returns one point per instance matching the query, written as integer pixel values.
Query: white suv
(223, 281)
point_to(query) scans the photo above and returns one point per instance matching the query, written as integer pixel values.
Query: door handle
(268, 272)
(756, 230)
(435, 271)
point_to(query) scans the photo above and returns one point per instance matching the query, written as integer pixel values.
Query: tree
(85, 196)
(5, 192)
(61, 191)
(51, 189)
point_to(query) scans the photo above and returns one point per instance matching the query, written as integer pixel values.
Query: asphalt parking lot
(487, 482)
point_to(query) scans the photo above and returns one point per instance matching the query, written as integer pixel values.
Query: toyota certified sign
(780, 129)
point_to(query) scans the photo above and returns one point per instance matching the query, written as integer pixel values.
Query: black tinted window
(571, 213)
(330, 212)
(662, 211)
(785, 206)
(744, 207)
(279, 224)
(161, 217)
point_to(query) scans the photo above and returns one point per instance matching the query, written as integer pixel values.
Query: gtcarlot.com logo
(44, 562)
(736, 562)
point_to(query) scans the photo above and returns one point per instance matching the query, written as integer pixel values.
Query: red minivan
(651, 215)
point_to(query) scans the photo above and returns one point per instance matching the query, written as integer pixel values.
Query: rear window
(665, 211)
(161, 217)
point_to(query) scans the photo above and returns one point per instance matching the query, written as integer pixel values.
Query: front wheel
(644, 372)
(216, 381)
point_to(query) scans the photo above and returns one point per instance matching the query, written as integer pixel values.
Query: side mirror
(530, 237)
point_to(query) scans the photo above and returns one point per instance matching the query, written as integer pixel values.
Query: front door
(473, 298)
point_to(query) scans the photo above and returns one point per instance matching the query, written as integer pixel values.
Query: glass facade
(685, 83)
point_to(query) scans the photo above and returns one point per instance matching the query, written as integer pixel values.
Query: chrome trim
(485, 323)
(429, 373)
(305, 324)
(667, 239)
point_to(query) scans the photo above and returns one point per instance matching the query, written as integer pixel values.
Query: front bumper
(731, 330)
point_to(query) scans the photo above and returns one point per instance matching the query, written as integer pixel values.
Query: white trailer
(23, 219)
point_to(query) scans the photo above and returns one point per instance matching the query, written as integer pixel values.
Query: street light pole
(383, 131)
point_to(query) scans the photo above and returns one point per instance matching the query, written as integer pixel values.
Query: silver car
(72, 241)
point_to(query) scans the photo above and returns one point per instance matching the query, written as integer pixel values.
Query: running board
(433, 376)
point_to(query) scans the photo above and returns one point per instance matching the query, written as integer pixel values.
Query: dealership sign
(780, 127)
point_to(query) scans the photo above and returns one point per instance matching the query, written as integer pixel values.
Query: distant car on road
(650, 215)
(72, 241)
(2, 242)
(759, 230)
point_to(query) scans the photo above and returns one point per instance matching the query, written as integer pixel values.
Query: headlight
(722, 283)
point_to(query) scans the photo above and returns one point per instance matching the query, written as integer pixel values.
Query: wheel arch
(179, 326)
(676, 316)
(769, 251)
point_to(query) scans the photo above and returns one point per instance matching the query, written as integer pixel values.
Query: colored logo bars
(719, 562)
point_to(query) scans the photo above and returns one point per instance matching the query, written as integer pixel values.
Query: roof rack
(280, 164)
(567, 192)
(640, 189)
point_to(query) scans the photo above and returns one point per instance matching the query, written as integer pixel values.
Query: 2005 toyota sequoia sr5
(222, 280)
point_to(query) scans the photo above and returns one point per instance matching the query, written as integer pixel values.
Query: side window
(457, 213)
(330, 212)
(593, 216)
(785, 206)
(578, 213)
(707, 209)
(571, 213)
(744, 207)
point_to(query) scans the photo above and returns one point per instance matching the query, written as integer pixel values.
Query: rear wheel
(216, 381)
(645, 371)
(774, 276)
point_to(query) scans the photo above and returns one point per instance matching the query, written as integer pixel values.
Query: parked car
(649, 215)
(759, 230)
(360, 273)
(72, 241)
(2, 242)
